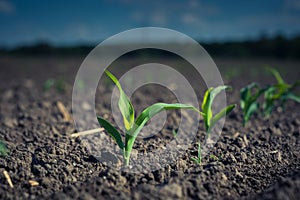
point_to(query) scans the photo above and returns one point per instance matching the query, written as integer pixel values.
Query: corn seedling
(279, 92)
(174, 132)
(232, 72)
(134, 126)
(213, 157)
(209, 119)
(48, 84)
(198, 159)
(3, 149)
(248, 100)
(58, 84)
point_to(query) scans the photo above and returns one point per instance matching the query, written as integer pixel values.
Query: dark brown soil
(259, 161)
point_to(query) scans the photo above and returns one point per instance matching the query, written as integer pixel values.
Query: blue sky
(74, 21)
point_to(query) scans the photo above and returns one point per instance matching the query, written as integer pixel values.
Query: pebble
(238, 173)
(221, 146)
(232, 158)
(8, 94)
(240, 143)
(243, 156)
(245, 140)
(9, 122)
(48, 166)
(46, 104)
(144, 180)
(224, 177)
(86, 106)
(122, 180)
(276, 131)
(28, 83)
(279, 158)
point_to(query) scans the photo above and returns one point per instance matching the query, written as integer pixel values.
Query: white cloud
(6, 7)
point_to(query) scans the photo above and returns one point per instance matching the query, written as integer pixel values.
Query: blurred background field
(49, 40)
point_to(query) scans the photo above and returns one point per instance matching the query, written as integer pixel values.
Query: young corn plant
(248, 102)
(58, 84)
(209, 119)
(198, 159)
(174, 132)
(279, 92)
(3, 149)
(133, 125)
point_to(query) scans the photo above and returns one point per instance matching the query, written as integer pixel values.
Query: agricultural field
(41, 159)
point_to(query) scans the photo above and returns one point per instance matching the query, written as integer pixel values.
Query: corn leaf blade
(293, 97)
(156, 108)
(125, 104)
(206, 108)
(248, 102)
(147, 114)
(277, 75)
(3, 148)
(268, 104)
(222, 113)
(206, 98)
(113, 132)
(217, 90)
(251, 110)
(209, 96)
(196, 160)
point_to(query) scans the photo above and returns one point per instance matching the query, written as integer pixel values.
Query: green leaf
(209, 96)
(206, 98)
(248, 100)
(198, 160)
(206, 108)
(221, 114)
(279, 92)
(156, 108)
(247, 97)
(277, 75)
(268, 104)
(113, 132)
(217, 90)
(125, 104)
(3, 149)
(174, 132)
(48, 85)
(250, 111)
(293, 97)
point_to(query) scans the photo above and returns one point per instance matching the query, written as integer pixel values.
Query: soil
(259, 161)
